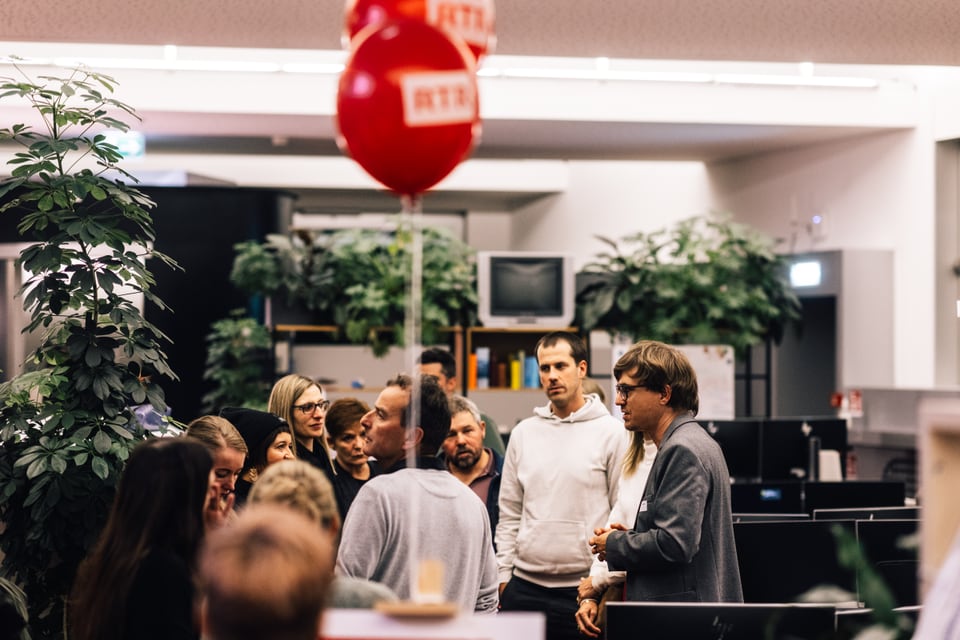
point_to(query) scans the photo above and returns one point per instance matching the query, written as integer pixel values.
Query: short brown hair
(578, 348)
(343, 414)
(656, 365)
(267, 575)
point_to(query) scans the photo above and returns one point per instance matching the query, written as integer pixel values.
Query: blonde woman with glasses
(300, 401)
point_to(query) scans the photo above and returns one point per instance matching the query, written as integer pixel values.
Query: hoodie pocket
(553, 546)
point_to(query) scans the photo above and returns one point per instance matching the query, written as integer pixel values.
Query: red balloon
(407, 106)
(472, 20)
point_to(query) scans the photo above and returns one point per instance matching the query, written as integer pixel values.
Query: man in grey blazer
(681, 546)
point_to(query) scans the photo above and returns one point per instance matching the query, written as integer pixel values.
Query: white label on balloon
(438, 97)
(470, 19)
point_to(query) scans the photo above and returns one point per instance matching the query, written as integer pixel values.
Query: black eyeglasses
(310, 407)
(623, 390)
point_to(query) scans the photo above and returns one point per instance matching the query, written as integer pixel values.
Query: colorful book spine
(483, 367)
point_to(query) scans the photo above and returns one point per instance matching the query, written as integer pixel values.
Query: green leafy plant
(707, 280)
(68, 422)
(357, 279)
(239, 352)
(887, 623)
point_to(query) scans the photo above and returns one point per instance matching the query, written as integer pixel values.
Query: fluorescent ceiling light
(321, 62)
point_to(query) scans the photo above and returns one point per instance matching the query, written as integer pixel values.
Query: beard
(465, 459)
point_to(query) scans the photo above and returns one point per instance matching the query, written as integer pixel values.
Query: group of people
(280, 513)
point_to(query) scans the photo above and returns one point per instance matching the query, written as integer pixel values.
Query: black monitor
(853, 494)
(767, 497)
(785, 445)
(709, 621)
(891, 549)
(767, 517)
(781, 561)
(740, 442)
(868, 513)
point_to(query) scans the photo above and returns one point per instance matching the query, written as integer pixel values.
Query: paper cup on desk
(429, 582)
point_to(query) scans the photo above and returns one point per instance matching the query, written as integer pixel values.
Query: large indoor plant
(706, 280)
(239, 360)
(357, 279)
(67, 422)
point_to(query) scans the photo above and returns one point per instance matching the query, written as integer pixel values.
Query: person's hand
(586, 589)
(219, 509)
(586, 617)
(598, 543)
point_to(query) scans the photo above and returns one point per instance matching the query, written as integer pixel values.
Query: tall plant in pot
(707, 280)
(357, 280)
(68, 422)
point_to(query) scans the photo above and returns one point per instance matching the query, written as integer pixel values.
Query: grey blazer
(681, 547)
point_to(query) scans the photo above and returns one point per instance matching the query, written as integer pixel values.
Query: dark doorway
(804, 365)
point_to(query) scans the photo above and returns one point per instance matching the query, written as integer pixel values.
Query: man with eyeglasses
(681, 546)
(559, 483)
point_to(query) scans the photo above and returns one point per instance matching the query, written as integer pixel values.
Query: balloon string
(411, 219)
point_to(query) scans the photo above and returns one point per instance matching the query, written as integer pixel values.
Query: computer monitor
(768, 517)
(853, 494)
(766, 497)
(891, 549)
(782, 561)
(785, 445)
(709, 621)
(868, 513)
(740, 442)
(525, 288)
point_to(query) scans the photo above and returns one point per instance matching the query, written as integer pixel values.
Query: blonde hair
(634, 455)
(301, 487)
(217, 433)
(592, 386)
(284, 393)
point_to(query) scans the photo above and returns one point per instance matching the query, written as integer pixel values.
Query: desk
(370, 625)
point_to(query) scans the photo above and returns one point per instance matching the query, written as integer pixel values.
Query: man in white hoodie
(559, 482)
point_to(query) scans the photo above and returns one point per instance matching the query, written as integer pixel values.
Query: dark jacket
(681, 547)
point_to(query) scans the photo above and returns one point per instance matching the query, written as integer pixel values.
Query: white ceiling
(871, 32)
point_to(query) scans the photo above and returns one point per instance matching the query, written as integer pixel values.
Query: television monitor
(769, 517)
(781, 561)
(525, 289)
(868, 513)
(712, 620)
(891, 549)
(740, 442)
(766, 497)
(853, 494)
(785, 445)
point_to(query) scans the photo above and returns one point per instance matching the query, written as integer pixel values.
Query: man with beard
(474, 465)
(560, 478)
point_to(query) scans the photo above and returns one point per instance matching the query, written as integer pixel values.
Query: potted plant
(239, 356)
(356, 279)
(707, 280)
(68, 423)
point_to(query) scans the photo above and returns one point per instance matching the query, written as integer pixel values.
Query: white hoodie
(560, 479)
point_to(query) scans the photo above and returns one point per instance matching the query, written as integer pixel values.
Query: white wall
(612, 199)
(875, 192)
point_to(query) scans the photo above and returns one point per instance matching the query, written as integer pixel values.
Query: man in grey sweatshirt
(404, 525)
(559, 483)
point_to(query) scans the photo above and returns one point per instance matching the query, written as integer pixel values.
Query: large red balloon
(472, 20)
(407, 106)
